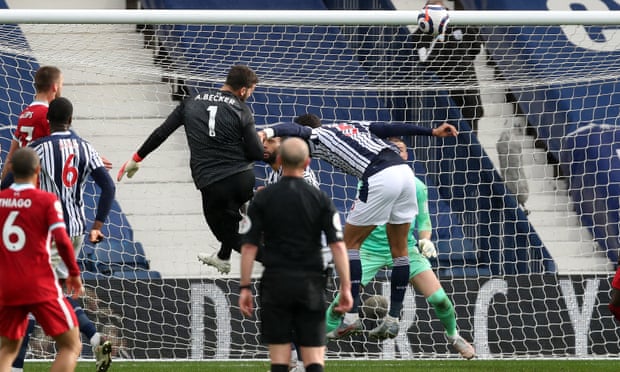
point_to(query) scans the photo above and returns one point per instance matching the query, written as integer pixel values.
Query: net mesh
(526, 237)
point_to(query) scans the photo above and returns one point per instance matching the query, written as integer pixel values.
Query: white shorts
(61, 269)
(391, 198)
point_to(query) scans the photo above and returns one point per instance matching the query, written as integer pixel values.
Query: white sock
(95, 340)
(13, 369)
(351, 317)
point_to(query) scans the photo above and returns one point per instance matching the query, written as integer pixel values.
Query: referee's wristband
(247, 286)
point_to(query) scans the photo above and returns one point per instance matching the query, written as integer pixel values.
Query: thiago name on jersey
(15, 203)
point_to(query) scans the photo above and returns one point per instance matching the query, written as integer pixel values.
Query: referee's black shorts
(292, 308)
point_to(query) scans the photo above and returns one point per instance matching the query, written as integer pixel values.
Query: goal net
(524, 203)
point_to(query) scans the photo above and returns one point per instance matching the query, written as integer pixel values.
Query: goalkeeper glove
(130, 167)
(427, 248)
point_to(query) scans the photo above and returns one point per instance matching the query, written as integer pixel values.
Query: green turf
(556, 365)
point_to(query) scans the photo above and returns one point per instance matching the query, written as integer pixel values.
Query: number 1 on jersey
(212, 111)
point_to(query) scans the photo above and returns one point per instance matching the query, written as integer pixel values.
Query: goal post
(524, 208)
(298, 17)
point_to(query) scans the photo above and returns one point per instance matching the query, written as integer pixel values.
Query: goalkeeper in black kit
(223, 146)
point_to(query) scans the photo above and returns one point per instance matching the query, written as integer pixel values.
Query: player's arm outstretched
(157, 137)
(385, 130)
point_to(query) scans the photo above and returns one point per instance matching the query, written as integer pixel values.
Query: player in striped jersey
(270, 156)
(375, 256)
(32, 122)
(386, 196)
(66, 163)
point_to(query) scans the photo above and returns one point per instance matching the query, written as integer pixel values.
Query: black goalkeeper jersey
(289, 217)
(220, 132)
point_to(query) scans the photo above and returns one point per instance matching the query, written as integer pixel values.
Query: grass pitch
(551, 365)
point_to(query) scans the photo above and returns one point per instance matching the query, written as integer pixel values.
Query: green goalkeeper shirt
(377, 243)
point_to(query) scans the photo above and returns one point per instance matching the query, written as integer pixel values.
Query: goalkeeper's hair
(308, 120)
(241, 76)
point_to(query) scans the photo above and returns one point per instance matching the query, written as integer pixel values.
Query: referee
(290, 216)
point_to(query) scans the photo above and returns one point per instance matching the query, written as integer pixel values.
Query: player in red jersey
(30, 218)
(614, 300)
(32, 123)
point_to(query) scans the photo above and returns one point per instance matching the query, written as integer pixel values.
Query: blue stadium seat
(89, 275)
(136, 274)
(114, 255)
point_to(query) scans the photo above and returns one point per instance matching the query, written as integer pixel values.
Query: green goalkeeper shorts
(372, 263)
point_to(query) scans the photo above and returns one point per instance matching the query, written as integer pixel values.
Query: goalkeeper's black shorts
(292, 308)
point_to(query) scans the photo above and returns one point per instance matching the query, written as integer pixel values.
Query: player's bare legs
(313, 355)
(69, 349)
(397, 235)
(280, 355)
(8, 351)
(426, 283)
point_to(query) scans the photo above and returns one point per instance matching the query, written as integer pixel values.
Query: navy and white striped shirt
(353, 145)
(349, 146)
(66, 163)
(309, 176)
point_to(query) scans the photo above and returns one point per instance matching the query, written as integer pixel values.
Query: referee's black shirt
(289, 217)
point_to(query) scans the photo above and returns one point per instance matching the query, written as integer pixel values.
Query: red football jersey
(27, 217)
(32, 123)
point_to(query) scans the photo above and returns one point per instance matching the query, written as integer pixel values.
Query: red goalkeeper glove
(130, 167)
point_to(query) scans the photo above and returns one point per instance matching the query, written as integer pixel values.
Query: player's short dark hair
(308, 120)
(241, 76)
(60, 111)
(294, 152)
(24, 162)
(46, 77)
(395, 140)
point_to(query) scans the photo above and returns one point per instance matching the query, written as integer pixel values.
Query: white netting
(542, 95)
